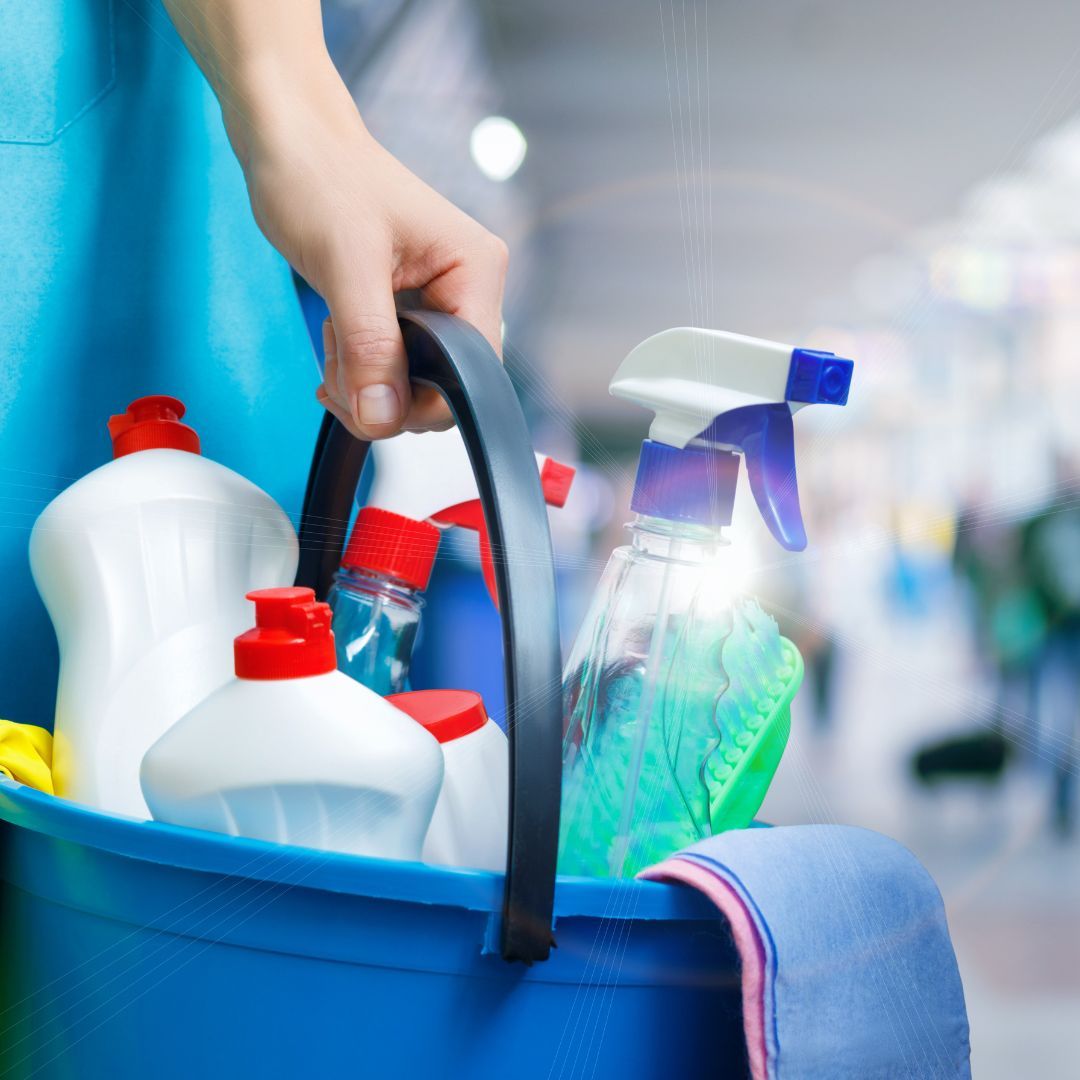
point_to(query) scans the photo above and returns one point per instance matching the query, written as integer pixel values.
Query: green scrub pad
(718, 726)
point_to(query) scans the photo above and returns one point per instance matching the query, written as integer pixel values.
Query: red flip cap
(555, 481)
(399, 547)
(447, 714)
(152, 423)
(291, 637)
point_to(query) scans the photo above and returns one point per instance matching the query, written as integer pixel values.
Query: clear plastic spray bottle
(678, 688)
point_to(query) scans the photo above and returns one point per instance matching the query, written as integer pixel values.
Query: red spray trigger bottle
(555, 480)
(423, 485)
(429, 478)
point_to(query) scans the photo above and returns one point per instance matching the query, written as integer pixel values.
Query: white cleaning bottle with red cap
(292, 751)
(468, 827)
(143, 565)
(423, 485)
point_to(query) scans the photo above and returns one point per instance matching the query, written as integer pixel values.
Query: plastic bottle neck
(694, 484)
(354, 580)
(682, 540)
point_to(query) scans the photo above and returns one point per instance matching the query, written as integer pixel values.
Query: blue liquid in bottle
(376, 621)
(661, 687)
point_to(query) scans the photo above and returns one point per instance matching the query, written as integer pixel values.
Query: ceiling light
(498, 147)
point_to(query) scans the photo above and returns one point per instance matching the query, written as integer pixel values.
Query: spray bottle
(677, 691)
(423, 486)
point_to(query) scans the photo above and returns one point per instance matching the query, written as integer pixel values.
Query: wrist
(276, 97)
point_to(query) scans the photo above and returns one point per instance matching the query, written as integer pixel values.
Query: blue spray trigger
(766, 436)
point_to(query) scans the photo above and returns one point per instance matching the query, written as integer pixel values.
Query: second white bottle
(293, 751)
(469, 825)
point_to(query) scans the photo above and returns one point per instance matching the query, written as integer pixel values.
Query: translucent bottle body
(669, 661)
(375, 624)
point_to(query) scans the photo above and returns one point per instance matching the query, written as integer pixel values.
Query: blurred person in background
(1023, 583)
(1051, 559)
(1008, 630)
(1008, 620)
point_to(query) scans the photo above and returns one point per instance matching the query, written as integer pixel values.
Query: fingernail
(378, 404)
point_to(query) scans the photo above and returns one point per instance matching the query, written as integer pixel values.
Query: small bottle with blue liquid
(377, 597)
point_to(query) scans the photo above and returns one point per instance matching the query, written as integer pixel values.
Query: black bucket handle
(449, 354)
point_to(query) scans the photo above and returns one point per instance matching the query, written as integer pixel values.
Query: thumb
(367, 374)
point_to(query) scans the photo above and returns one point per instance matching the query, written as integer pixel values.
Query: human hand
(349, 217)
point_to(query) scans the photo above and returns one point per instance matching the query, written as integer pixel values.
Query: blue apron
(130, 264)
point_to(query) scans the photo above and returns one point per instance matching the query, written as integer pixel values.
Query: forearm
(347, 216)
(267, 63)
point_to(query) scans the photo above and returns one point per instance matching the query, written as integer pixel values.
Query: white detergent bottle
(468, 828)
(143, 565)
(293, 751)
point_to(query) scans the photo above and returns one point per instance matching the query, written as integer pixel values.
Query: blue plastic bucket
(131, 949)
(139, 950)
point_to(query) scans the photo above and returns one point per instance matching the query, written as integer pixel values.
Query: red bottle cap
(447, 714)
(291, 637)
(399, 547)
(556, 479)
(555, 482)
(152, 423)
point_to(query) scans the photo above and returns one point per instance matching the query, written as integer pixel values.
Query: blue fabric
(130, 264)
(860, 976)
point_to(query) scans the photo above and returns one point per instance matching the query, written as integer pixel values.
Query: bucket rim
(384, 879)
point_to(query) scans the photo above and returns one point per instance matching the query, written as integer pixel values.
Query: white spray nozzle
(713, 393)
(688, 377)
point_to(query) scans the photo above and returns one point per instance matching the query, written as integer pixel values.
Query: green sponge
(717, 726)
(754, 718)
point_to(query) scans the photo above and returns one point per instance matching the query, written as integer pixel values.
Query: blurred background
(896, 183)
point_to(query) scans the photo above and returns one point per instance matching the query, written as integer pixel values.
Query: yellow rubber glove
(26, 755)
